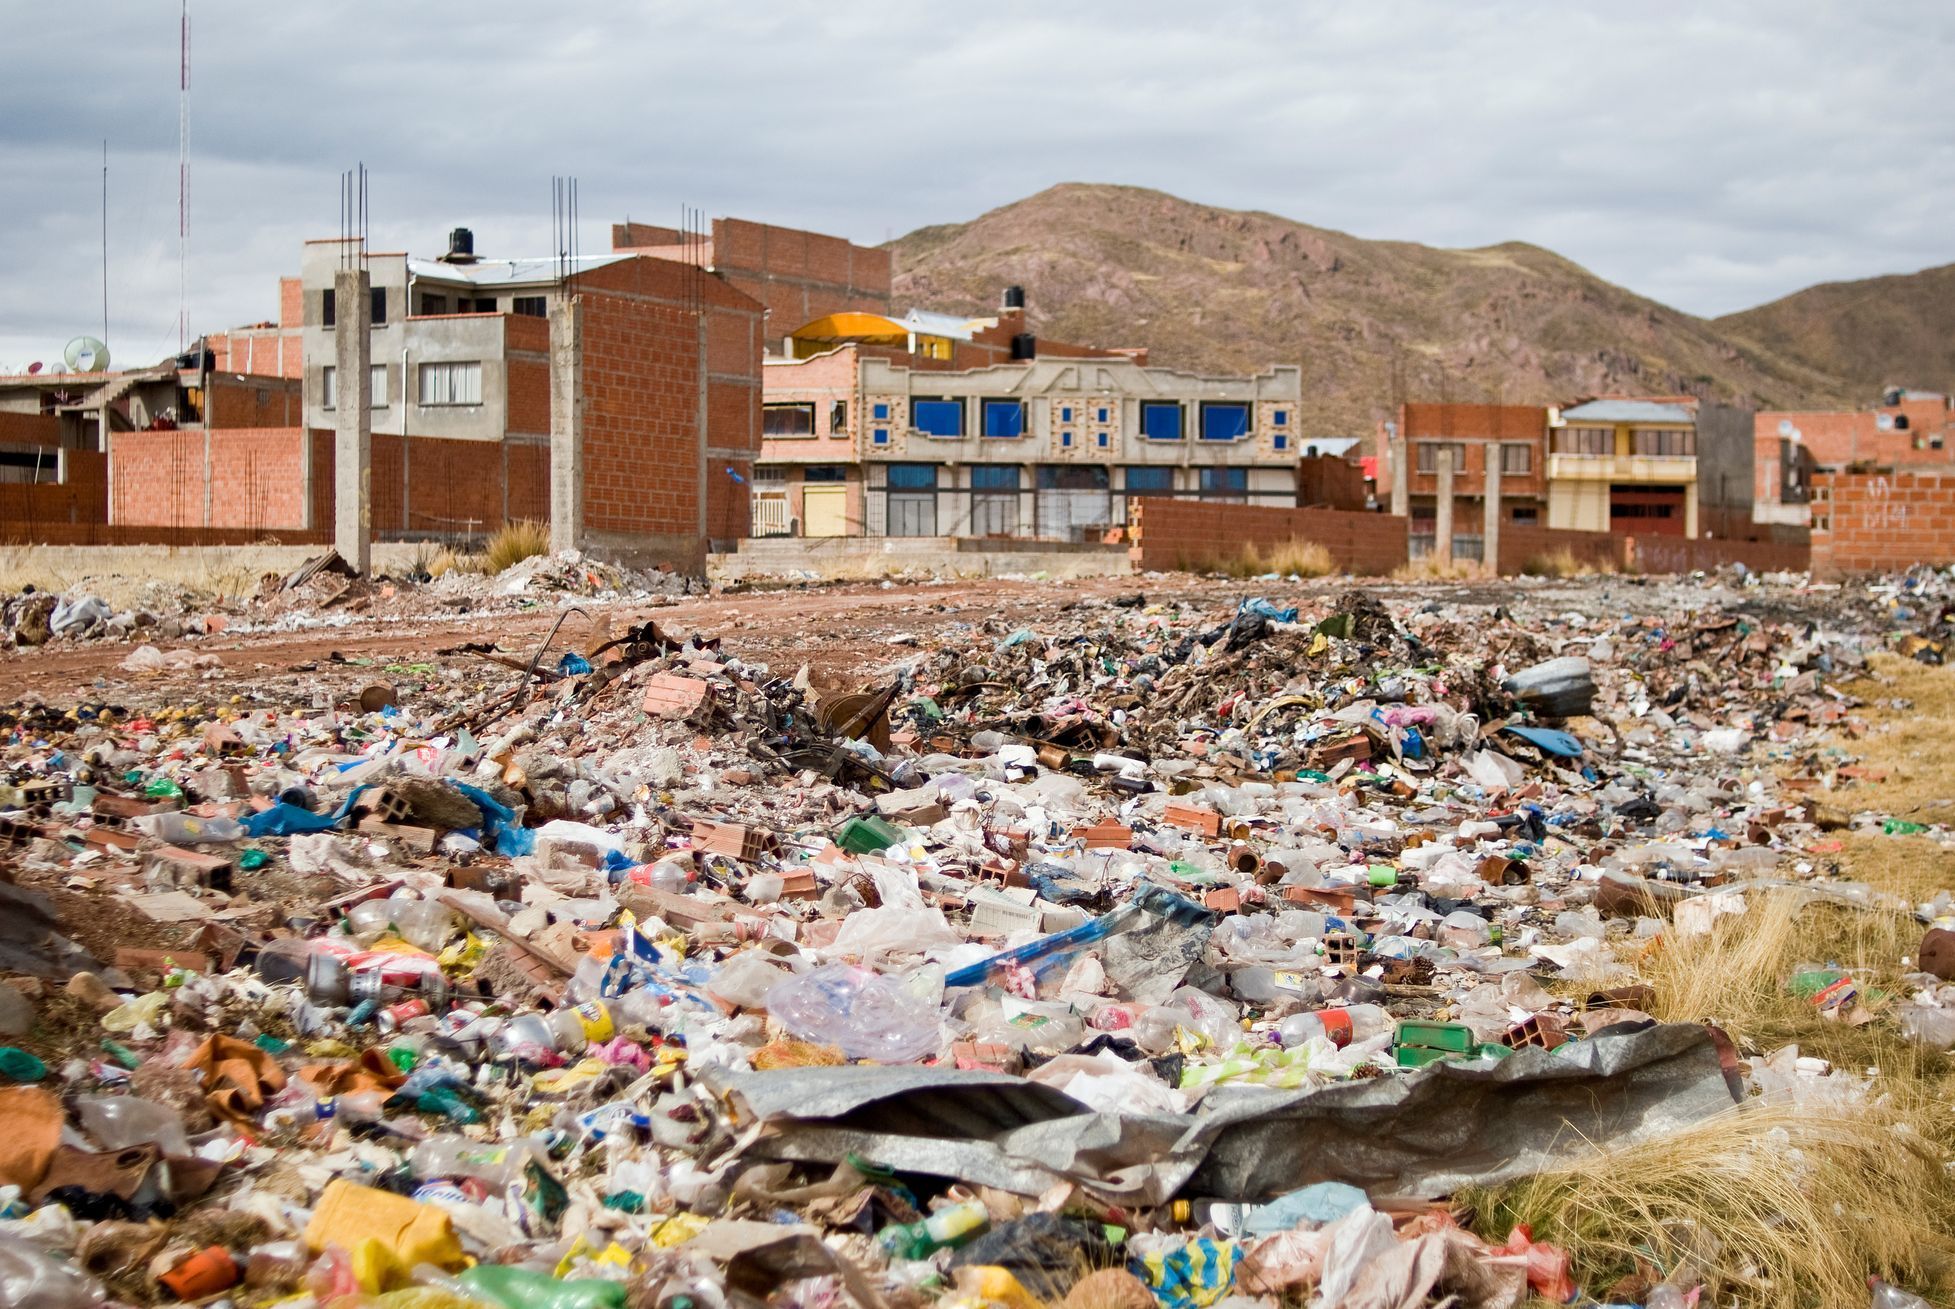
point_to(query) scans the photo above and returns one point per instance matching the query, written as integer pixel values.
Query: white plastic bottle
(1341, 1027)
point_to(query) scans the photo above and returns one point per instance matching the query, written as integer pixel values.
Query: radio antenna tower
(183, 188)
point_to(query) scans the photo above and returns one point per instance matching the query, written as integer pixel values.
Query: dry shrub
(515, 542)
(1770, 1204)
(1295, 557)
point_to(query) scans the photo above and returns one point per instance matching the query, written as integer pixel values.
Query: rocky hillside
(1371, 322)
(1883, 331)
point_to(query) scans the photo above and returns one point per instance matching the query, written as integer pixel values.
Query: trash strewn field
(565, 940)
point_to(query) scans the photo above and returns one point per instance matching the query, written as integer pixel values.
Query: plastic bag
(868, 1015)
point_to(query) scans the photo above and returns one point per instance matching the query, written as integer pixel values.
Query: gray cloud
(1712, 157)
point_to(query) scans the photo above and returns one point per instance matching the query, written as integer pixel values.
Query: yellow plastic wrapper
(135, 1013)
(678, 1229)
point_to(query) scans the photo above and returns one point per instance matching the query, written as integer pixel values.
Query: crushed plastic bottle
(868, 1015)
(946, 1229)
(1341, 1027)
(1885, 1295)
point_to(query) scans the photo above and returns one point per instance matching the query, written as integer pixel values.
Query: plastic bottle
(30, 1279)
(1341, 1027)
(179, 828)
(513, 1287)
(1664, 1296)
(671, 877)
(496, 1162)
(1887, 1296)
(948, 1228)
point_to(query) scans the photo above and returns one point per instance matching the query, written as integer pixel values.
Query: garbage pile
(1159, 957)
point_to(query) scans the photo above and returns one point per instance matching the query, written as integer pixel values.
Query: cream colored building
(1626, 466)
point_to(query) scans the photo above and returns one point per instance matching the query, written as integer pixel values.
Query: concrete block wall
(244, 478)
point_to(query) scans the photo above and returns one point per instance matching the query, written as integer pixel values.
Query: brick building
(1471, 436)
(1908, 429)
(1624, 465)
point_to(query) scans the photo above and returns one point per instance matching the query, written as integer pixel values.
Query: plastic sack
(30, 1279)
(79, 615)
(868, 1015)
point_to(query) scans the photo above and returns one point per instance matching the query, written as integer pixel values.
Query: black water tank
(461, 242)
(1014, 297)
(1025, 346)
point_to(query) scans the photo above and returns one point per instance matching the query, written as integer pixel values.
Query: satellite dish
(86, 354)
(35, 367)
(1785, 427)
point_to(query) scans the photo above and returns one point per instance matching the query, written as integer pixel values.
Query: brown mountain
(1883, 331)
(1371, 322)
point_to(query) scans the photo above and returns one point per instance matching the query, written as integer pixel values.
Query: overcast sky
(1711, 156)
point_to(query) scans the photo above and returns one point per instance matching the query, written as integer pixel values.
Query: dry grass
(515, 542)
(1427, 568)
(1295, 557)
(1564, 562)
(1771, 1205)
(1912, 745)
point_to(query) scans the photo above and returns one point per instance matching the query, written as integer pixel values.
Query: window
(433, 304)
(1065, 413)
(942, 418)
(912, 500)
(824, 473)
(479, 305)
(376, 382)
(326, 308)
(451, 384)
(1279, 418)
(378, 305)
(1160, 420)
(913, 477)
(787, 420)
(1225, 483)
(1102, 417)
(1429, 455)
(1591, 441)
(1517, 459)
(1150, 481)
(994, 477)
(530, 306)
(1280, 441)
(1525, 514)
(879, 436)
(1103, 440)
(881, 410)
(1066, 439)
(1003, 417)
(1662, 442)
(838, 418)
(1224, 422)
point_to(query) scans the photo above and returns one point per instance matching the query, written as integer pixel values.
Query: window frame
(376, 387)
(987, 405)
(1151, 407)
(1421, 449)
(806, 408)
(1525, 450)
(1127, 486)
(956, 403)
(1219, 407)
(521, 306)
(450, 369)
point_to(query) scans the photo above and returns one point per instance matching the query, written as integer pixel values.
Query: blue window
(1065, 413)
(1225, 481)
(880, 436)
(1281, 442)
(1160, 420)
(1004, 417)
(1065, 438)
(913, 477)
(1280, 417)
(1150, 481)
(824, 473)
(882, 410)
(938, 417)
(1225, 422)
(1102, 440)
(1102, 415)
(994, 477)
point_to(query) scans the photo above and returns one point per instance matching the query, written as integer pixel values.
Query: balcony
(1664, 469)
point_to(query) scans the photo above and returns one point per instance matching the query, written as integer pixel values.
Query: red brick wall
(442, 487)
(256, 479)
(266, 351)
(291, 302)
(526, 332)
(29, 510)
(529, 395)
(1522, 543)
(819, 381)
(1678, 554)
(1172, 534)
(233, 401)
(1330, 482)
(642, 446)
(1879, 522)
(29, 429)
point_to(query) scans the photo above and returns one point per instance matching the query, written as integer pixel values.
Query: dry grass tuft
(515, 542)
(1912, 745)
(1770, 1204)
(1427, 568)
(1295, 557)
(1564, 562)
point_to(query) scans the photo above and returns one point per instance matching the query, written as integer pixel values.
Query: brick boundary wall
(1881, 521)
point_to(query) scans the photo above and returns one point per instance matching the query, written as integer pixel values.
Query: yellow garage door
(824, 511)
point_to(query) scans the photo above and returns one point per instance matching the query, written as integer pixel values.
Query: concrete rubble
(1154, 952)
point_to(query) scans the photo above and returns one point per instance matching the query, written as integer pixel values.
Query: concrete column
(1442, 537)
(1401, 475)
(1490, 532)
(353, 443)
(567, 424)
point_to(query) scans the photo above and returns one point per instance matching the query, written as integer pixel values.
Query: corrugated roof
(507, 272)
(1629, 411)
